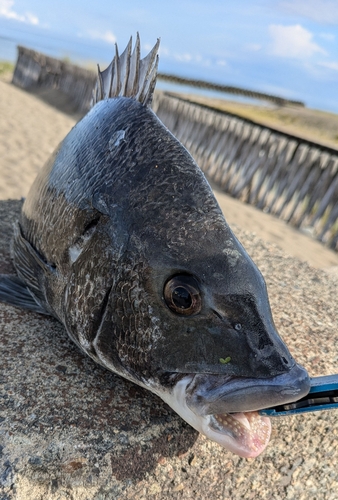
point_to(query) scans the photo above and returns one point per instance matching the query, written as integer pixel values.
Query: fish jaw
(224, 409)
(246, 434)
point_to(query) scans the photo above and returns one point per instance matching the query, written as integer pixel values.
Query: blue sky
(284, 47)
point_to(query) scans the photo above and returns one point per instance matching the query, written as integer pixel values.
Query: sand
(32, 126)
(29, 131)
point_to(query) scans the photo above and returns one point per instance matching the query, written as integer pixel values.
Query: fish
(121, 239)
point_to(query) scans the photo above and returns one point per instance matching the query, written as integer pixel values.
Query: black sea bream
(121, 239)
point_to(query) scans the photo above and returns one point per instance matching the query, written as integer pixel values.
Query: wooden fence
(35, 70)
(289, 177)
(292, 178)
(227, 89)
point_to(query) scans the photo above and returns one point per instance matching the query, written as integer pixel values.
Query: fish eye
(182, 295)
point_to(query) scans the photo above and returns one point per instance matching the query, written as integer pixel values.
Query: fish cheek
(196, 345)
(129, 327)
(233, 342)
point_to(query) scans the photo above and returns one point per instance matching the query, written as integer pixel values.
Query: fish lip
(209, 395)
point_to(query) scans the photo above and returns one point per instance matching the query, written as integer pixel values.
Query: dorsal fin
(128, 75)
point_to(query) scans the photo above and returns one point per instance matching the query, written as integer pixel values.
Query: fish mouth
(247, 433)
(225, 409)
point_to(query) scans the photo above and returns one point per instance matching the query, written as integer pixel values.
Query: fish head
(219, 352)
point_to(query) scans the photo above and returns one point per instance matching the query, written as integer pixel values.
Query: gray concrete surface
(70, 430)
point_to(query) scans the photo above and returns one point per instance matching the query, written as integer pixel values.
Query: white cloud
(328, 36)
(107, 36)
(253, 47)
(7, 12)
(330, 65)
(183, 57)
(293, 42)
(320, 11)
(188, 58)
(163, 51)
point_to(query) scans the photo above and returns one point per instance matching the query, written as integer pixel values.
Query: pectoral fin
(13, 291)
(24, 290)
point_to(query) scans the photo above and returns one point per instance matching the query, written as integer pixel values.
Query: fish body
(122, 240)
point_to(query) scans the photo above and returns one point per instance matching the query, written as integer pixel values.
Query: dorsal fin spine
(128, 75)
(125, 68)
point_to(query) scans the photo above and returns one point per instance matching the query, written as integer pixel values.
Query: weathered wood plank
(280, 173)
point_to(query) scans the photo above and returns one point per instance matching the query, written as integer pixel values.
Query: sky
(287, 48)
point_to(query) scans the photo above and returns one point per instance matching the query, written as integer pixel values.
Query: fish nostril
(285, 360)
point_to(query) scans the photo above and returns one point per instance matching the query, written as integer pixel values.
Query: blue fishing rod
(323, 395)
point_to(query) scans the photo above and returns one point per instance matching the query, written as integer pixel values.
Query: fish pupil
(182, 295)
(182, 298)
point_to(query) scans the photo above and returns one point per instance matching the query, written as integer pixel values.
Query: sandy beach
(32, 126)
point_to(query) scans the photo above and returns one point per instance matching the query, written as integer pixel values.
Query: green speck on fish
(225, 361)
